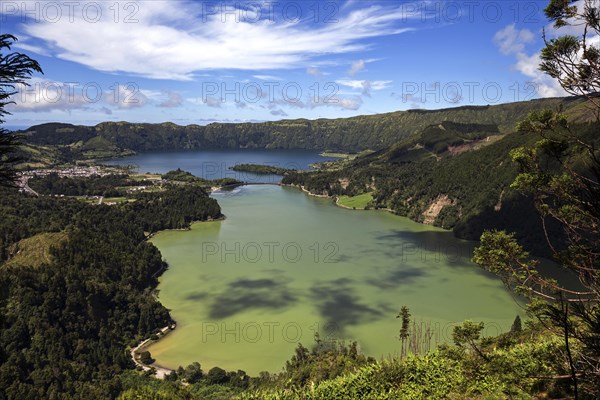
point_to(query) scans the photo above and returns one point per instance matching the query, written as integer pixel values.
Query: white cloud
(511, 40)
(172, 39)
(344, 103)
(173, 100)
(366, 86)
(28, 47)
(44, 95)
(348, 103)
(357, 84)
(314, 71)
(267, 77)
(544, 85)
(212, 102)
(528, 65)
(279, 112)
(127, 97)
(356, 67)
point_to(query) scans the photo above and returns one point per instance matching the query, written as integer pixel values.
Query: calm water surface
(284, 265)
(213, 164)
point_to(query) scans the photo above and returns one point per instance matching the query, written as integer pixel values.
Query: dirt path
(160, 371)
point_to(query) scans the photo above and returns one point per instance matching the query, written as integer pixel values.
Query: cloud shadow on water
(396, 278)
(196, 296)
(340, 306)
(247, 294)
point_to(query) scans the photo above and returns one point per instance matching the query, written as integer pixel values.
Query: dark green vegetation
(15, 69)
(509, 366)
(561, 172)
(261, 169)
(520, 364)
(456, 176)
(66, 322)
(179, 176)
(111, 139)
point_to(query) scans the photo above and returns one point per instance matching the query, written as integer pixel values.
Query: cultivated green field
(357, 202)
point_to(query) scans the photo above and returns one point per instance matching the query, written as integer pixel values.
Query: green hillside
(343, 134)
(453, 175)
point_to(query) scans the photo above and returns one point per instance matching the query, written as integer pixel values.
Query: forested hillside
(67, 318)
(455, 176)
(343, 134)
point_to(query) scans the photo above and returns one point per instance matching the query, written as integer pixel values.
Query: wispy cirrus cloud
(175, 39)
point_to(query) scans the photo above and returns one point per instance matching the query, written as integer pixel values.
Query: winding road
(160, 371)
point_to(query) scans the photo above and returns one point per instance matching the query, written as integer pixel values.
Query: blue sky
(198, 62)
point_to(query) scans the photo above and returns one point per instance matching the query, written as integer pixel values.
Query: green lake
(284, 265)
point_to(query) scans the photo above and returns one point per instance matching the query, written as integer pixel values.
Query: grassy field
(356, 202)
(34, 251)
(347, 156)
(141, 177)
(115, 200)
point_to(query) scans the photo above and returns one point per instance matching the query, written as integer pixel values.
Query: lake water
(284, 265)
(213, 164)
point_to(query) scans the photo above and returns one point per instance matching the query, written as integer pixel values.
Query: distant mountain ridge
(343, 134)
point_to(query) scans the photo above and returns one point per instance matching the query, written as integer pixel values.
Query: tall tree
(405, 315)
(562, 173)
(574, 60)
(15, 69)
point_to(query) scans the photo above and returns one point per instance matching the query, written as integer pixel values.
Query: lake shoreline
(189, 228)
(336, 202)
(162, 371)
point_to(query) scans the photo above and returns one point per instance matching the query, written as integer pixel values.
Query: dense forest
(66, 320)
(260, 169)
(465, 170)
(183, 177)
